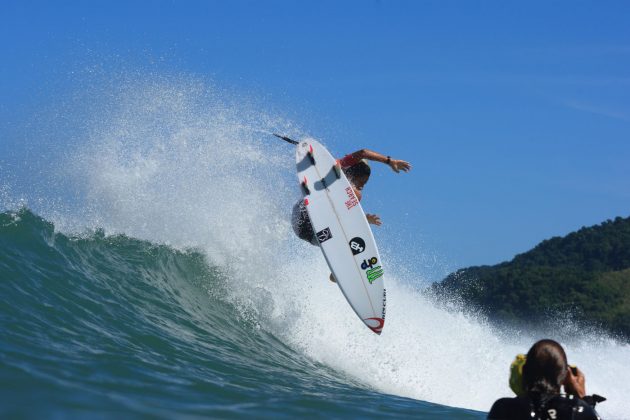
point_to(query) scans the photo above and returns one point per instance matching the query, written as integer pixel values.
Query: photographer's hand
(575, 383)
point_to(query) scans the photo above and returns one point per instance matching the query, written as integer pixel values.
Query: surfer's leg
(302, 224)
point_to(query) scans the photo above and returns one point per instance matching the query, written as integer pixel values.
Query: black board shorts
(302, 224)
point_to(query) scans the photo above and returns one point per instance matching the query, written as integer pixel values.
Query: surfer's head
(545, 368)
(359, 174)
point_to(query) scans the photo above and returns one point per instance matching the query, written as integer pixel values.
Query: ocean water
(110, 325)
(150, 270)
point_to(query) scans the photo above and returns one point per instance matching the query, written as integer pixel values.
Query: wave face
(111, 324)
(163, 278)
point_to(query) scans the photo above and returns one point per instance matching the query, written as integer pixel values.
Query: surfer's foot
(332, 278)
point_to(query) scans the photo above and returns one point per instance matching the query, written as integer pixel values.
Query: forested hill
(586, 272)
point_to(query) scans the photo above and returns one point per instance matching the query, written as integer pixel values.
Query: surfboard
(342, 231)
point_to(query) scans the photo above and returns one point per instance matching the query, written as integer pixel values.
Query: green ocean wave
(104, 325)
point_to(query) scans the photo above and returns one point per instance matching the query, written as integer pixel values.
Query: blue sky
(516, 116)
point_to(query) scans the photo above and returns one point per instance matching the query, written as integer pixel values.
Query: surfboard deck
(342, 231)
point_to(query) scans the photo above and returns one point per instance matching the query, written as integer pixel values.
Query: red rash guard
(348, 161)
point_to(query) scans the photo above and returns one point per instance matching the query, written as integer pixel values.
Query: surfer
(538, 395)
(356, 167)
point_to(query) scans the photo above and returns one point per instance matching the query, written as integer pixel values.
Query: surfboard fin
(337, 169)
(310, 155)
(305, 187)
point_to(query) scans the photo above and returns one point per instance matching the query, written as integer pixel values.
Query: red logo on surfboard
(352, 198)
(375, 324)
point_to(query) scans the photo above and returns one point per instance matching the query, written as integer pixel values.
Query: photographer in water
(544, 372)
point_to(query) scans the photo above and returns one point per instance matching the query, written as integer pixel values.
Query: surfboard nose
(375, 324)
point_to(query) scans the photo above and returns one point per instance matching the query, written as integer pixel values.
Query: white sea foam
(437, 355)
(176, 161)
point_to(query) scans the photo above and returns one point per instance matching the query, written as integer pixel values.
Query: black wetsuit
(302, 224)
(557, 407)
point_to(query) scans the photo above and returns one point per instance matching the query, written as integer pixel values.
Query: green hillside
(586, 272)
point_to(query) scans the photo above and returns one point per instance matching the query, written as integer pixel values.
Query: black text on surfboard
(357, 245)
(324, 235)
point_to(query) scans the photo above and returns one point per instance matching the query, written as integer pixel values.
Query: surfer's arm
(397, 165)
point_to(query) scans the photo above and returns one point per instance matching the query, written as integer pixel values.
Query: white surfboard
(343, 232)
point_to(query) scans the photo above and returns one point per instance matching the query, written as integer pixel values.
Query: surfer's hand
(399, 165)
(575, 383)
(374, 219)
